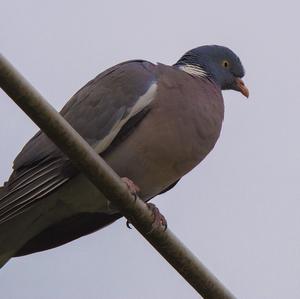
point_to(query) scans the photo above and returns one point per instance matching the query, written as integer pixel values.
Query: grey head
(219, 63)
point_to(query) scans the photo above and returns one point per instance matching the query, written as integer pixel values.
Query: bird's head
(219, 63)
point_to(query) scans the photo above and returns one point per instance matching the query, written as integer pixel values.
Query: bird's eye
(225, 64)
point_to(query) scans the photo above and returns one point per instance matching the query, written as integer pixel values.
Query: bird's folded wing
(100, 112)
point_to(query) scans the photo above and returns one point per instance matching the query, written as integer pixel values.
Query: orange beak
(241, 87)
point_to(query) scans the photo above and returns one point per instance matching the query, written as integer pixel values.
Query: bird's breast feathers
(182, 126)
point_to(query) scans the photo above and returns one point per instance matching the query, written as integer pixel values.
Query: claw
(128, 224)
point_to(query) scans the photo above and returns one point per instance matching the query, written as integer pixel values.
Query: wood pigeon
(152, 123)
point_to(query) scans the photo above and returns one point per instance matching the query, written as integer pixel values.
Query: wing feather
(25, 204)
(98, 111)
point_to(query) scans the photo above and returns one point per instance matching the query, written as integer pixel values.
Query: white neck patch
(193, 70)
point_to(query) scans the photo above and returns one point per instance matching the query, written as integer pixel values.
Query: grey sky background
(238, 211)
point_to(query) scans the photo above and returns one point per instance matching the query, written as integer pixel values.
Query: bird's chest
(177, 133)
(183, 129)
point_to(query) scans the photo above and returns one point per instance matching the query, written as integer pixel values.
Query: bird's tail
(4, 256)
(9, 235)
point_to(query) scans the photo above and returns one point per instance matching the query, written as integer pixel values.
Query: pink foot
(159, 219)
(133, 188)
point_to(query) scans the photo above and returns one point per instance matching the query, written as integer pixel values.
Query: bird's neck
(194, 70)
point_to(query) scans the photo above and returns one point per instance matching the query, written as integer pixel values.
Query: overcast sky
(239, 211)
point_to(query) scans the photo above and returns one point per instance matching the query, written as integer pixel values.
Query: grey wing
(98, 111)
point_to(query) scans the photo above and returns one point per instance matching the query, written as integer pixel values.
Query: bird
(151, 122)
